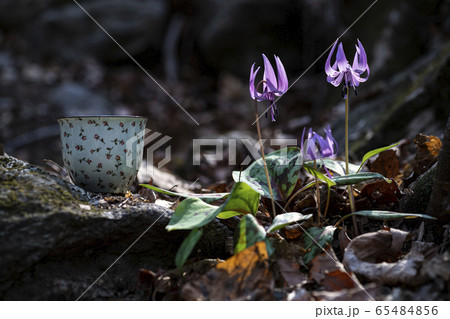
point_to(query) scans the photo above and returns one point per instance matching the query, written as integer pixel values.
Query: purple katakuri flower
(271, 87)
(316, 147)
(343, 71)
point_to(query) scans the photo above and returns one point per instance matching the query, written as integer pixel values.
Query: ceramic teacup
(102, 153)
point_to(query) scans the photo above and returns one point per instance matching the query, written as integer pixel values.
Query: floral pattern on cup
(102, 153)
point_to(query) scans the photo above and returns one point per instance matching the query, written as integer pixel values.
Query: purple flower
(271, 87)
(342, 70)
(316, 147)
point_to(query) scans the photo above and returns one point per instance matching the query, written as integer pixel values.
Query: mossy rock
(56, 239)
(27, 190)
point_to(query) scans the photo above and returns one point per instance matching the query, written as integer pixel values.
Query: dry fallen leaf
(356, 294)
(290, 271)
(245, 276)
(374, 256)
(386, 164)
(381, 192)
(329, 272)
(427, 151)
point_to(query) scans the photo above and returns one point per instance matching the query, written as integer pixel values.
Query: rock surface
(57, 239)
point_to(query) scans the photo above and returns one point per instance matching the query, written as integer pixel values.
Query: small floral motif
(83, 137)
(105, 123)
(93, 122)
(87, 160)
(133, 123)
(79, 147)
(98, 138)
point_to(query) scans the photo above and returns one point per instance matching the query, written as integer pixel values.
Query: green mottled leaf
(387, 215)
(342, 180)
(375, 152)
(193, 212)
(187, 246)
(205, 197)
(284, 167)
(315, 240)
(283, 220)
(334, 165)
(357, 178)
(250, 232)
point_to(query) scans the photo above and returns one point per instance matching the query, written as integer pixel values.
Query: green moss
(28, 191)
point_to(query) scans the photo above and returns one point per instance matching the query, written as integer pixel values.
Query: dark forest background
(56, 61)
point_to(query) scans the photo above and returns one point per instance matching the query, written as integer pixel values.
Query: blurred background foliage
(56, 61)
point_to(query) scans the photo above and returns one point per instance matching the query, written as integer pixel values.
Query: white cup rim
(102, 116)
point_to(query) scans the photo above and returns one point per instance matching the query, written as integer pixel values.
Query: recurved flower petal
(253, 93)
(269, 75)
(282, 77)
(331, 71)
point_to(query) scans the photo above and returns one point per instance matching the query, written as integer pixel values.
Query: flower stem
(263, 157)
(349, 187)
(317, 195)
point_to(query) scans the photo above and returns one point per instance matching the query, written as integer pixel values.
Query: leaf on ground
(193, 212)
(374, 256)
(204, 197)
(315, 240)
(249, 233)
(285, 219)
(290, 271)
(329, 272)
(381, 192)
(187, 246)
(300, 294)
(245, 276)
(387, 164)
(388, 215)
(427, 151)
(283, 166)
(356, 294)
